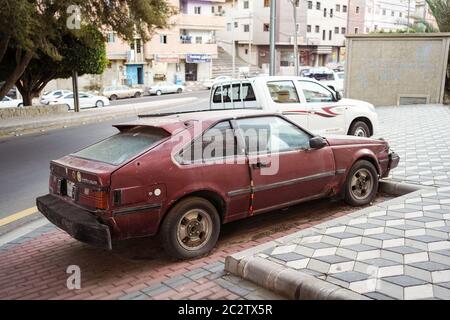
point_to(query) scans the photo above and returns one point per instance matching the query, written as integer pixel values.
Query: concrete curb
(89, 116)
(292, 284)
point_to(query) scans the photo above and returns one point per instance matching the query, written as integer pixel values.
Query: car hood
(339, 140)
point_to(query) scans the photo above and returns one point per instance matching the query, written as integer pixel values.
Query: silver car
(165, 87)
(115, 92)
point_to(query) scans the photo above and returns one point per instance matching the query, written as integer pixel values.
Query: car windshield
(123, 146)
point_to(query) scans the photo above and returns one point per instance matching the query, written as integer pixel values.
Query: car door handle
(259, 165)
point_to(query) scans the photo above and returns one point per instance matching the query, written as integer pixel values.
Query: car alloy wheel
(158, 93)
(194, 229)
(360, 132)
(99, 104)
(359, 129)
(361, 184)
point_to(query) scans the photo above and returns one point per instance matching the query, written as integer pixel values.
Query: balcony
(200, 22)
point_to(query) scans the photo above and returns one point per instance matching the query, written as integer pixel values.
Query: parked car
(87, 100)
(8, 102)
(305, 101)
(142, 181)
(165, 87)
(116, 92)
(52, 95)
(326, 76)
(210, 82)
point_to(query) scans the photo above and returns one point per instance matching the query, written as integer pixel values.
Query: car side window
(239, 93)
(283, 91)
(314, 92)
(272, 135)
(216, 143)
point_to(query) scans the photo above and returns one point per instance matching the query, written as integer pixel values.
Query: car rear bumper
(78, 223)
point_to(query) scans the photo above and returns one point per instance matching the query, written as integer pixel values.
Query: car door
(284, 169)
(85, 101)
(285, 98)
(325, 115)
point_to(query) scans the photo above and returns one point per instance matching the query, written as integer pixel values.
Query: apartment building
(182, 53)
(321, 28)
(423, 13)
(388, 15)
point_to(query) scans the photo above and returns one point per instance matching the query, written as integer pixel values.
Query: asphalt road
(24, 160)
(201, 93)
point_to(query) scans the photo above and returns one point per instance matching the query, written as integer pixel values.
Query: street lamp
(294, 9)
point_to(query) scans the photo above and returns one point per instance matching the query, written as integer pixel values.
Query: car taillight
(101, 199)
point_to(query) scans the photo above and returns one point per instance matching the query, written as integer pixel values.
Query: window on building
(324, 35)
(400, 14)
(213, 9)
(343, 30)
(236, 24)
(198, 40)
(229, 26)
(111, 37)
(331, 13)
(246, 28)
(375, 27)
(266, 3)
(310, 4)
(356, 30)
(197, 10)
(317, 29)
(330, 35)
(138, 45)
(392, 13)
(384, 12)
(318, 5)
(338, 8)
(266, 27)
(308, 28)
(246, 4)
(325, 12)
(297, 27)
(357, 10)
(162, 38)
(132, 45)
(246, 51)
(219, 9)
(336, 29)
(344, 8)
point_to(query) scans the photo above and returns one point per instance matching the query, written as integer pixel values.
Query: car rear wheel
(137, 94)
(359, 129)
(179, 90)
(190, 229)
(113, 97)
(159, 92)
(361, 184)
(99, 104)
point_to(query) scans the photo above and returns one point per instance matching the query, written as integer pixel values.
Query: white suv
(304, 100)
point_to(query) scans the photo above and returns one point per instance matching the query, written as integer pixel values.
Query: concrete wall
(383, 68)
(32, 112)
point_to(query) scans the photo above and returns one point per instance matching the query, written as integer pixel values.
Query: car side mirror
(338, 95)
(317, 142)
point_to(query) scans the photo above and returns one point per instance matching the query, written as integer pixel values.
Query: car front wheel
(137, 94)
(359, 129)
(99, 104)
(361, 185)
(179, 90)
(159, 92)
(190, 229)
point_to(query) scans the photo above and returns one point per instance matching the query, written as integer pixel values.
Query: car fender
(368, 154)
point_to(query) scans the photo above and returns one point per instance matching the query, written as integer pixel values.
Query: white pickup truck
(305, 101)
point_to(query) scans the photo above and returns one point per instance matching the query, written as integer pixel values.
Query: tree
(441, 12)
(32, 29)
(85, 53)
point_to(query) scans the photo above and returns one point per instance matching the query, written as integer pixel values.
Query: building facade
(388, 15)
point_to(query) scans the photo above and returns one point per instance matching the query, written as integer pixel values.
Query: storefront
(197, 66)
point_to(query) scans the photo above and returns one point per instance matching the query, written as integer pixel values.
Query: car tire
(113, 97)
(159, 92)
(361, 185)
(137, 95)
(179, 90)
(99, 104)
(201, 226)
(20, 105)
(359, 129)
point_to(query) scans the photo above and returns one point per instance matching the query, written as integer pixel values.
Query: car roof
(175, 122)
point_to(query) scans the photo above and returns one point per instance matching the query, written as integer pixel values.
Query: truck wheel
(361, 184)
(190, 229)
(359, 129)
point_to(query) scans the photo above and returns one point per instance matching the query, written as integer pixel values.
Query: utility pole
(233, 50)
(294, 7)
(273, 8)
(409, 6)
(76, 101)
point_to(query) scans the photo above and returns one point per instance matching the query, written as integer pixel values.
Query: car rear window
(123, 146)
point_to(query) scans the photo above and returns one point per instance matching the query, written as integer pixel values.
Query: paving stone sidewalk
(398, 249)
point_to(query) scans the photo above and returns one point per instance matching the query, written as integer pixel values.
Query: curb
(89, 117)
(292, 284)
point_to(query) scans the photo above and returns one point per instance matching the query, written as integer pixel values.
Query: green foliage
(441, 12)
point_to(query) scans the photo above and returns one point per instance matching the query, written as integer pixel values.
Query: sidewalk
(398, 249)
(18, 126)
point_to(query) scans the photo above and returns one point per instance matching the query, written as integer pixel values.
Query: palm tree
(441, 12)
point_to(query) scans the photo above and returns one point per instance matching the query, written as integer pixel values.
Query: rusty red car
(181, 176)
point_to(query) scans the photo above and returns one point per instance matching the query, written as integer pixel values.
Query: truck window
(239, 93)
(283, 91)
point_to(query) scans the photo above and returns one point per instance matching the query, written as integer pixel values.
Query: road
(202, 93)
(25, 160)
